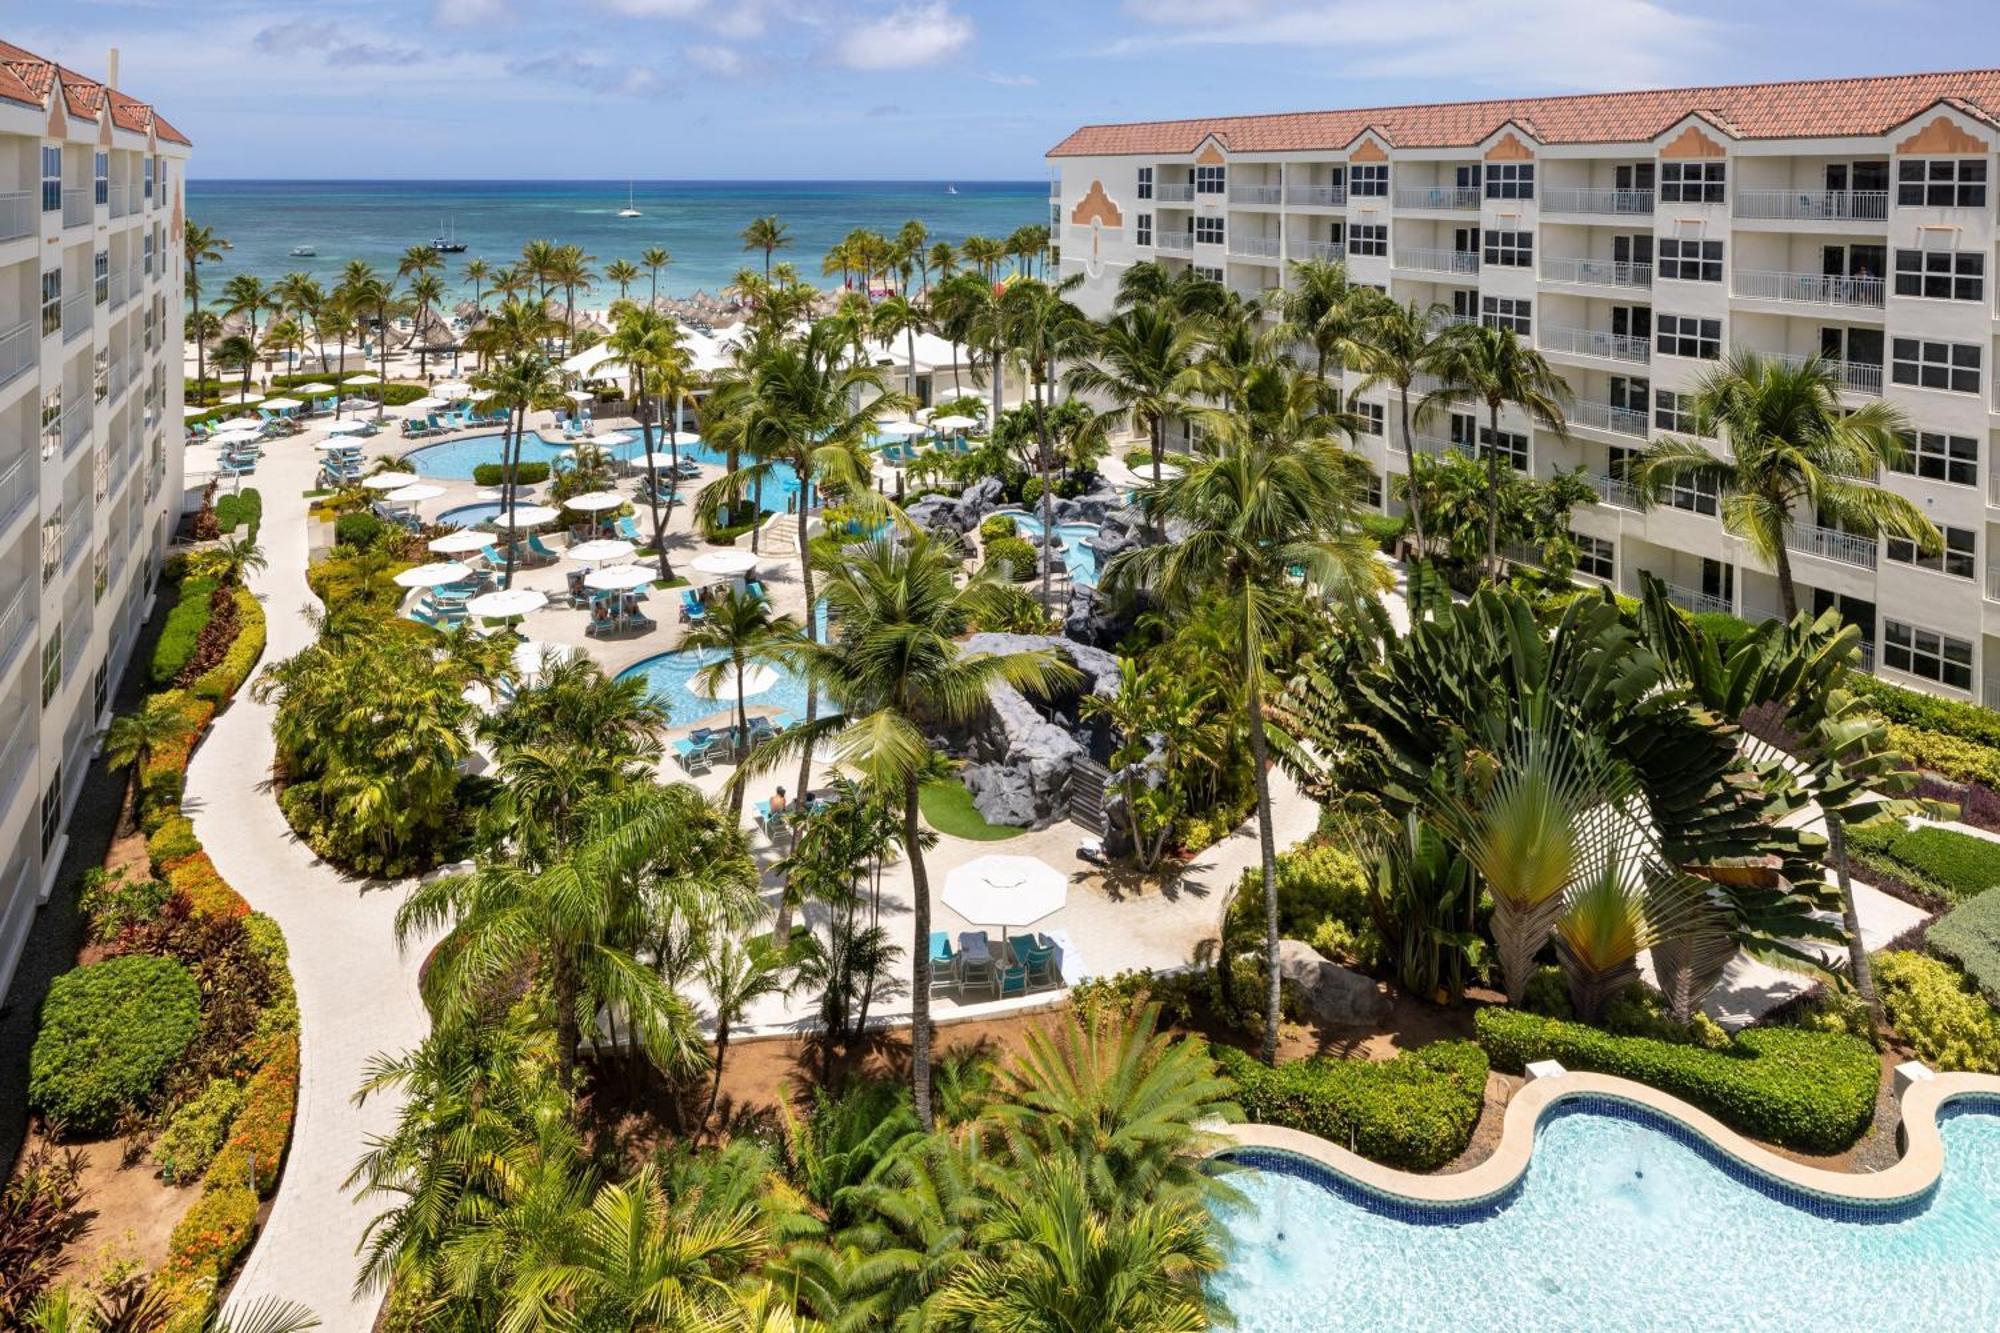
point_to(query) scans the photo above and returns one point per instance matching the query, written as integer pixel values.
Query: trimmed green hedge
(182, 631)
(1019, 555)
(1958, 863)
(1385, 530)
(1813, 1091)
(1952, 757)
(998, 526)
(1929, 712)
(109, 1033)
(1948, 1023)
(1969, 935)
(245, 508)
(1416, 1111)
(526, 474)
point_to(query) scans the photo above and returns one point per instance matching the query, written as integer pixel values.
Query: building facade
(1634, 238)
(90, 459)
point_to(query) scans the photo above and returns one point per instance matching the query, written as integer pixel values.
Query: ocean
(699, 223)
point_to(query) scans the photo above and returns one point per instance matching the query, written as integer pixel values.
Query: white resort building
(1633, 238)
(90, 395)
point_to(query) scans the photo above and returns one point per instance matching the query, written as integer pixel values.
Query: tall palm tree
(655, 258)
(1792, 444)
(983, 253)
(766, 234)
(300, 296)
(623, 272)
(571, 271)
(132, 739)
(237, 352)
(522, 383)
(1045, 332)
(427, 293)
(898, 314)
(1496, 367)
(1276, 496)
(247, 294)
(895, 672)
(284, 338)
(942, 259)
(1323, 309)
(955, 304)
(539, 261)
(1143, 361)
(648, 345)
(741, 631)
(1400, 344)
(736, 973)
(912, 245)
(202, 246)
(367, 290)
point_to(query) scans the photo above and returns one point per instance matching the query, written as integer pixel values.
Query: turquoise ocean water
(698, 222)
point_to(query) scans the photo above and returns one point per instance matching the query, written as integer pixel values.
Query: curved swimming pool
(470, 516)
(1075, 538)
(668, 675)
(1621, 1222)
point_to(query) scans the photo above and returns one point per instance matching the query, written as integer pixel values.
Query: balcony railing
(1812, 205)
(1596, 272)
(1809, 288)
(1173, 194)
(1589, 342)
(13, 627)
(1446, 319)
(1427, 444)
(76, 419)
(120, 288)
(1604, 416)
(17, 488)
(1616, 203)
(17, 740)
(1693, 599)
(1253, 247)
(79, 209)
(1857, 376)
(121, 201)
(1616, 491)
(1256, 194)
(19, 349)
(1437, 261)
(17, 215)
(1174, 242)
(1448, 197)
(1993, 582)
(75, 316)
(1832, 544)
(1323, 196)
(1326, 251)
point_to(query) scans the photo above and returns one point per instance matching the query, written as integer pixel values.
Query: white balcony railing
(1448, 197)
(79, 208)
(1326, 251)
(13, 626)
(1616, 203)
(17, 740)
(1993, 582)
(1693, 599)
(1173, 194)
(1437, 261)
(1253, 247)
(1993, 487)
(1590, 342)
(120, 284)
(1441, 319)
(1617, 491)
(1174, 242)
(121, 201)
(1596, 272)
(1812, 205)
(1320, 196)
(19, 349)
(1809, 288)
(17, 488)
(1832, 544)
(17, 215)
(75, 316)
(76, 419)
(1604, 416)
(1256, 194)
(1860, 377)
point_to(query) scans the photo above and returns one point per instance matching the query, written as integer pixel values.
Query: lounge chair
(944, 963)
(572, 429)
(754, 589)
(692, 611)
(628, 528)
(602, 621)
(1037, 961)
(578, 594)
(541, 552)
(694, 759)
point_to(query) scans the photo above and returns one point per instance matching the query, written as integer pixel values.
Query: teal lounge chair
(540, 551)
(628, 528)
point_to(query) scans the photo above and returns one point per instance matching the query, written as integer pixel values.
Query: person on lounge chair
(778, 801)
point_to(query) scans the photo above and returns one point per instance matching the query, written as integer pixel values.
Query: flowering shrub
(110, 1032)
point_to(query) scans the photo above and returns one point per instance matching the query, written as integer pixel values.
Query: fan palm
(766, 234)
(132, 739)
(1496, 367)
(1792, 444)
(741, 631)
(201, 245)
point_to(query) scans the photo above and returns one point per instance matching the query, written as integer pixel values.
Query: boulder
(1018, 760)
(1333, 995)
(1090, 618)
(981, 498)
(940, 514)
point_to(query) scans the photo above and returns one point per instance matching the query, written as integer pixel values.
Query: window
(101, 277)
(1369, 418)
(1697, 497)
(1935, 365)
(148, 244)
(1506, 312)
(1511, 249)
(1368, 239)
(1942, 182)
(1955, 559)
(1210, 180)
(1510, 180)
(1374, 490)
(100, 688)
(152, 169)
(1690, 261)
(101, 176)
(52, 663)
(1208, 231)
(1142, 231)
(1941, 275)
(1684, 335)
(51, 179)
(1674, 411)
(1368, 179)
(1952, 458)
(52, 810)
(1926, 653)
(100, 574)
(1512, 448)
(52, 302)
(1594, 556)
(1207, 274)
(1693, 182)
(1630, 393)
(1145, 182)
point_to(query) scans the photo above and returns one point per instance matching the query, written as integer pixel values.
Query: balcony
(1256, 194)
(1316, 196)
(79, 209)
(1618, 492)
(1437, 261)
(1449, 198)
(75, 316)
(1596, 272)
(1693, 599)
(19, 350)
(1603, 416)
(120, 284)
(17, 215)
(1174, 194)
(1811, 205)
(1589, 342)
(1439, 320)
(1174, 242)
(1809, 288)
(17, 742)
(121, 201)
(1253, 247)
(1055, 192)
(1429, 445)
(1608, 203)
(1855, 376)
(1832, 544)
(1327, 252)
(17, 488)
(76, 419)
(1993, 583)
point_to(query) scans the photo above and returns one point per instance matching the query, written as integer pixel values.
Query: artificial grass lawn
(948, 808)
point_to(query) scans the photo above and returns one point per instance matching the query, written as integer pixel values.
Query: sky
(890, 89)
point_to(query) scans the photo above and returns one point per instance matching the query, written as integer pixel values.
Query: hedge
(1947, 1023)
(204, 1246)
(1385, 530)
(998, 526)
(525, 474)
(1958, 863)
(263, 1127)
(1018, 553)
(1416, 1111)
(1949, 756)
(1969, 935)
(188, 1144)
(221, 681)
(243, 509)
(358, 528)
(109, 1034)
(1928, 712)
(182, 631)
(1812, 1091)
(171, 843)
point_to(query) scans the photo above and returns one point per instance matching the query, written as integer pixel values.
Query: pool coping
(1913, 1176)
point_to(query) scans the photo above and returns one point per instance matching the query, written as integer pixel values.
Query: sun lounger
(578, 594)
(694, 759)
(692, 611)
(540, 551)
(628, 528)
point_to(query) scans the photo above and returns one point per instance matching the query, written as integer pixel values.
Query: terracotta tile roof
(1833, 108)
(28, 79)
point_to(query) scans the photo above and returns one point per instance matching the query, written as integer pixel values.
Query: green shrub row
(1961, 865)
(525, 474)
(1949, 756)
(1969, 935)
(1812, 1091)
(1017, 554)
(221, 681)
(244, 509)
(1928, 712)
(1948, 1024)
(109, 1033)
(998, 526)
(188, 1144)
(182, 631)
(1385, 530)
(358, 528)
(1415, 1112)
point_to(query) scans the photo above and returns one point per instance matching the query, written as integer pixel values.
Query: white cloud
(1009, 80)
(465, 13)
(1203, 12)
(303, 35)
(912, 35)
(655, 9)
(724, 61)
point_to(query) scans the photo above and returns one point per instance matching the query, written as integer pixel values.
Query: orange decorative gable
(1942, 136)
(1096, 206)
(58, 122)
(1368, 151)
(1210, 156)
(1691, 142)
(1510, 149)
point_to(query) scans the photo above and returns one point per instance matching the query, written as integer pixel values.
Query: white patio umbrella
(434, 575)
(955, 423)
(1005, 891)
(192, 411)
(530, 653)
(906, 429)
(235, 434)
(314, 389)
(726, 562)
(579, 395)
(462, 542)
(525, 516)
(346, 426)
(657, 462)
(618, 578)
(602, 551)
(429, 403)
(338, 447)
(506, 604)
(389, 481)
(756, 679)
(282, 404)
(592, 502)
(361, 381)
(452, 389)
(611, 439)
(415, 493)
(244, 397)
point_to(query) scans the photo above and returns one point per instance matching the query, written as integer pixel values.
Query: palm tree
(237, 352)
(766, 234)
(134, 738)
(623, 272)
(955, 305)
(1323, 309)
(1045, 331)
(898, 314)
(300, 296)
(539, 261)
(247, 295)
(648, 345)
(336, 317)
(230, 559)
(427, 291)
(736, 973)
(202, 246)
(1496, 367)
(1402, 343)
(1144, 362)
(1792, 443)
(571, 271)
(740, 629)
(942, 259)
(285, 338)
(368, 290)
(1276, 496)
(983, 253)
(895, 673)
(520, 384)
(912, 246)
(655, 259)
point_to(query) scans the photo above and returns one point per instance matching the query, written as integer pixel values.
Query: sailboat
(629, 211)
(951, 189)
(447, 243)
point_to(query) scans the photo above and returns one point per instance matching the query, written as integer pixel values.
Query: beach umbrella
(757, 678)
(244, 397)
(594, 502)
(347, 427)
(338, 447)
(725, 561)
(389, 481)
(282, 404)
(602, 551)
(955, 423)
(579, 395)
(194, 411)
(654, 462)
(902, 428)
(462, 542)
(428, 403)
(415, 493)
(362, 381)
(452, 389)
(506, 604)
(1005, 891)
(525, 516)
(618, 578)
(236, 434)
(315, 388)
(530, 654)
(434, 575)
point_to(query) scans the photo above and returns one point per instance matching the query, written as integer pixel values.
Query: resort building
(1634, 238)
(90, 395)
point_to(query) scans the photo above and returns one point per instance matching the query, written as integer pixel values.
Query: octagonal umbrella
(462, 542)
(525, 516)
(591, 502)
(602, 551)
(389, 481)
(618, 578)
(1005, 891)
(414, 493)
(434, 575)
(506, 604)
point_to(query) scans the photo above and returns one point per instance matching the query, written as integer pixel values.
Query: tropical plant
(1496, 367)
(766, 234)
(1143, 361)
(740, 631)
(520, 384)
(132, 739)
(1045, 333)
(1400, 345)
(650, 347)
(623, 272)
(654, 259)
(201, 245)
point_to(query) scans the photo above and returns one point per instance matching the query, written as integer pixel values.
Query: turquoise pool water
(470, 516)
(1619, 1224)
(454, 460)
(1075, 538)
(669, 673)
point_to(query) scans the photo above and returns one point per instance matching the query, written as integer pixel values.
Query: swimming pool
(669, 673)
(1619, 1223)
(470, 516)
(1075, 538)
(455, 460)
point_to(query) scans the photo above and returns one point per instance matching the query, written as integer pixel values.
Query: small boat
(447, 242)
(303, 252)
(951, 189)
(630, 210)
